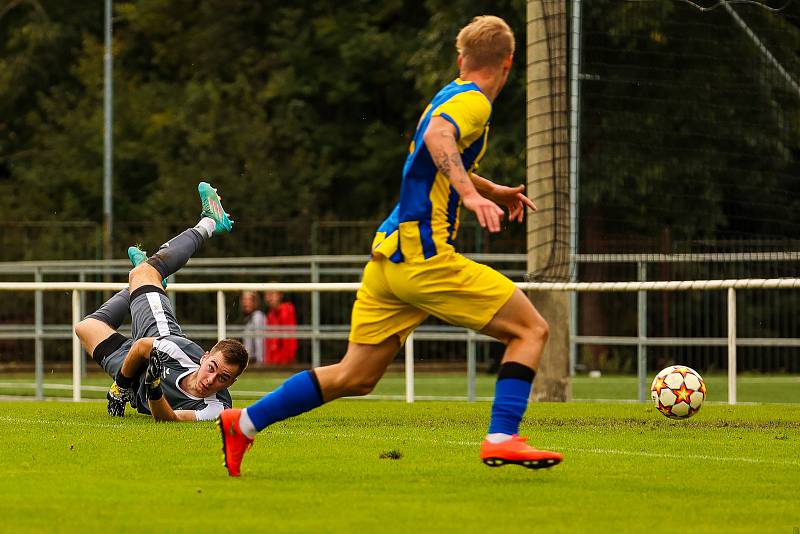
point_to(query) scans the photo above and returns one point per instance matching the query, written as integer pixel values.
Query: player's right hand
(155, 370)
(117, 398)
(488, 213)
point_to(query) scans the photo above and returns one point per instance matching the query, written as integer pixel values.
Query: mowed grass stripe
(729, 469)
(433, 441)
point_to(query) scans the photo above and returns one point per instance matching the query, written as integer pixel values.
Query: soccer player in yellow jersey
(415, 272)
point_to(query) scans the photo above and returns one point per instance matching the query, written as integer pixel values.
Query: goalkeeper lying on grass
(159, 371)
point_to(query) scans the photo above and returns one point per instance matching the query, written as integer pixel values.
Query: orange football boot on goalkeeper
(234, 442)
(516, 451)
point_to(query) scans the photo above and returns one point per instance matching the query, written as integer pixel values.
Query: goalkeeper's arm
(162, 411)
(121, 391)
(159, 406)
(137, 357)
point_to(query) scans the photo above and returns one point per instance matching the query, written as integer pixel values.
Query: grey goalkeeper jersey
(181, 357)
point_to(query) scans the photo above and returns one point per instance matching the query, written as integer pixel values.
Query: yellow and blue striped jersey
(424, 222)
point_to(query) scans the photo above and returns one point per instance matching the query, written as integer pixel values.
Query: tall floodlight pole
(107, 140)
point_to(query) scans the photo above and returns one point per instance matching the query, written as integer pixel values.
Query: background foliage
(298, 111)
(303, 111)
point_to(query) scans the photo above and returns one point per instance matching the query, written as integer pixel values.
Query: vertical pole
(81, 315)
(221, 327)
(38, 343)
(107, 133)
(471, 365)
(573, 330)
(547, 163)
(315, 344)
(76, 347)
(574, 160)
(641, 349)
(410, 368)
(731, 346)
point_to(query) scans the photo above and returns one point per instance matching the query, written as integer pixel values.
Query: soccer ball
(678, 392)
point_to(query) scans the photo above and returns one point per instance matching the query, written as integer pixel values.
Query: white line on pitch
(683, 456)
(554, 447)
(656, 455)
(6, 419)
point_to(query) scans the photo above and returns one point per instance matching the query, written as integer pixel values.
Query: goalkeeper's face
(214, 373)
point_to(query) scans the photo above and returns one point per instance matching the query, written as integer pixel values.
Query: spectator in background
(255, 321)
(280, 316)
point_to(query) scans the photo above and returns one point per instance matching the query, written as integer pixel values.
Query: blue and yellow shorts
(395, 298)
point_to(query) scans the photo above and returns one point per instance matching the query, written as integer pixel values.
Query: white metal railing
(311, 267)
(220, 289)
(314, 267)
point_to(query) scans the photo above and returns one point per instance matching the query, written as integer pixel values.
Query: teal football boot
(212, 207)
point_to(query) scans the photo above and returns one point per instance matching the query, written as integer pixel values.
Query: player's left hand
(117, 398)
(514, 200)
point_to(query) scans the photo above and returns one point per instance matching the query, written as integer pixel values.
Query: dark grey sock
(114, 310)
(176, 252)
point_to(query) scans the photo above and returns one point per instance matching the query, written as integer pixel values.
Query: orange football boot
(234, 442)
(516, 451)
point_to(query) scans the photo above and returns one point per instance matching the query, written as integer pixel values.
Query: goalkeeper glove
(117, 398)
(152, 377)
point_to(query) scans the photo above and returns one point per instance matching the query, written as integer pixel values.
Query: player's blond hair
(485, 42)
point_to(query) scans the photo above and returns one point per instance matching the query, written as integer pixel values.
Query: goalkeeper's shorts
(110, 353)
(151, 314)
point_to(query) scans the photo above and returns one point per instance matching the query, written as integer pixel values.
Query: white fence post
(410, 368)
(38, 343)
(81, 315)
(76, 347)
(316, 353)
(221, 327)
(731, 346)
(641, 352)
(471, 366)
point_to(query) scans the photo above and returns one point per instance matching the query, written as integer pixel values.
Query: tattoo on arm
(443, 162)
(448, 162)
(455, 160)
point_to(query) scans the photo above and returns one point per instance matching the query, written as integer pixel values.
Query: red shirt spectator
(280, 316)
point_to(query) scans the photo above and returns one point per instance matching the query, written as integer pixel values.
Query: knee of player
(362, 388)
(82, 329)
(141, 272)
(540, 329)
(134, 273)
(357, 386)
(534, 331)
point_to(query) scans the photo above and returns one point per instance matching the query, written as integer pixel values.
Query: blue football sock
(514, 383)
(299, 394)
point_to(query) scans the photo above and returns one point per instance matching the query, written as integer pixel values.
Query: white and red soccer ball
(678, 392)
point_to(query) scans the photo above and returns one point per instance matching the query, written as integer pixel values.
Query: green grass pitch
(69, 467)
